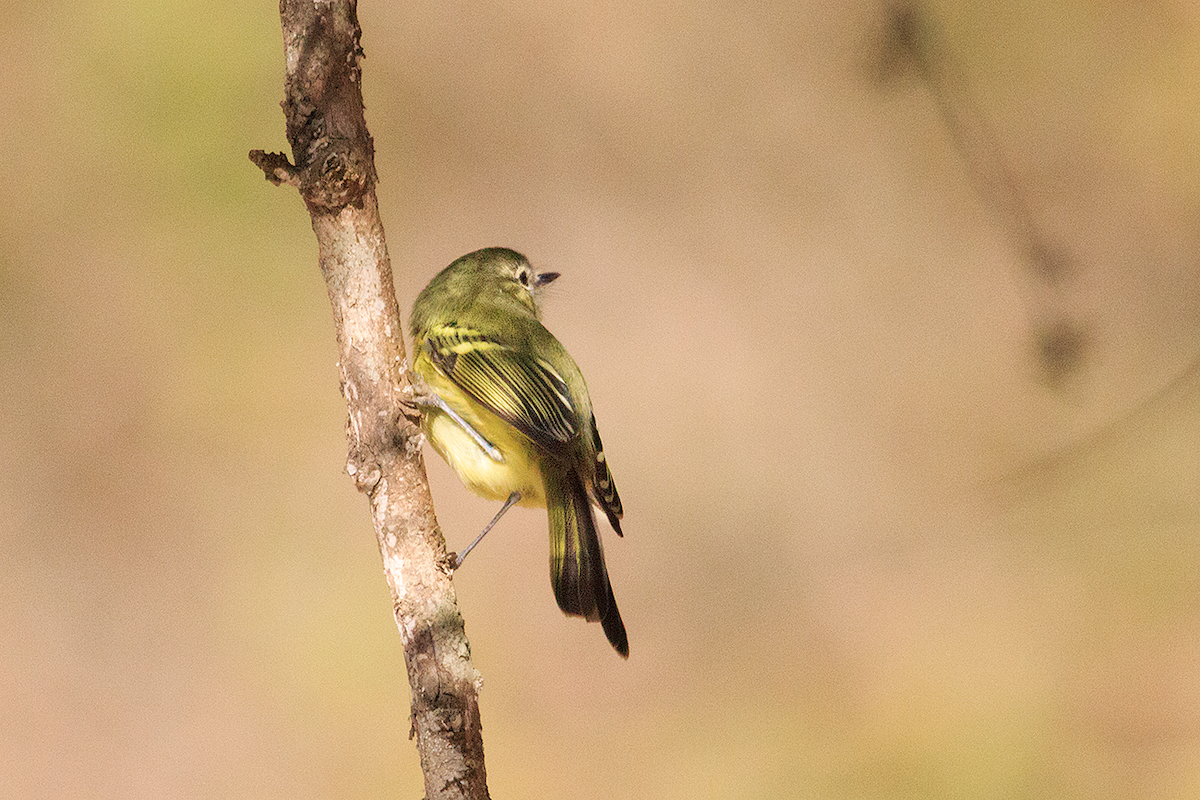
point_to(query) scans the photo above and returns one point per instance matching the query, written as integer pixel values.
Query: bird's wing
(603, 488)
(517, 386)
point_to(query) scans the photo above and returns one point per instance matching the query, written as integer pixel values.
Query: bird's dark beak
(544, 278)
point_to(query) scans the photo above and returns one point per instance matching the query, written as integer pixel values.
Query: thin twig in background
(1060, 342)
(335, 173)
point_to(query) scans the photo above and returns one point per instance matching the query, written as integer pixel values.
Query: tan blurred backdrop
(870, 552)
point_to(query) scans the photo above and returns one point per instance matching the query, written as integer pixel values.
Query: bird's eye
(523, 277)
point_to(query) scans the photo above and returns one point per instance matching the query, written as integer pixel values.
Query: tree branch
(1061, 341)
(335, 174)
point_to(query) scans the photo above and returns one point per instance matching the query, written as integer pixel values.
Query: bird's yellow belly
(495, 480)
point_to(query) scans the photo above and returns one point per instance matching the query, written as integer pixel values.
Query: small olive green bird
(508, 409)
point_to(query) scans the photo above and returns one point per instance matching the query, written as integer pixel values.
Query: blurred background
(911, 506)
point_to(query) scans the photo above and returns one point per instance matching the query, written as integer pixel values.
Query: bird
(508, 409)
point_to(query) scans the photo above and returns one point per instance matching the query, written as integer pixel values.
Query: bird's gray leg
(424, 397)
(512, 500)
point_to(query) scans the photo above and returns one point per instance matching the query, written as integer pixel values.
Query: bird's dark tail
(577, 569)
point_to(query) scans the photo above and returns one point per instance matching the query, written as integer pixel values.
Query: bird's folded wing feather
(517, 386)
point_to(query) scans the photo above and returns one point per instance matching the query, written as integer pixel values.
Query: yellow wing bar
(518, 387)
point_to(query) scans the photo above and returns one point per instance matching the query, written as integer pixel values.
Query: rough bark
(334, 171)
